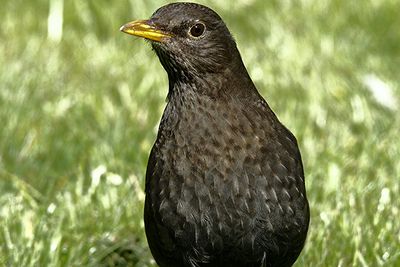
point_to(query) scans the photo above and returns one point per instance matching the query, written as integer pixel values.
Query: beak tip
(122, 28)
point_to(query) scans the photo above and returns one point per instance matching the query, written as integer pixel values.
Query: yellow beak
(142, 28)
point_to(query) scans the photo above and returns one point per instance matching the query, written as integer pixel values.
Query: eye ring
(197, 30)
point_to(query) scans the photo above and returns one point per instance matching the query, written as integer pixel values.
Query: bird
(224, 181)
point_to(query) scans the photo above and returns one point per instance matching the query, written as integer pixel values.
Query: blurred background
(80, 104)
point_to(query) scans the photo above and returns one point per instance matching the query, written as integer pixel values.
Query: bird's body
(224, 182)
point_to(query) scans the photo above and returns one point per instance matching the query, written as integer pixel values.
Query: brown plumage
(224, 181)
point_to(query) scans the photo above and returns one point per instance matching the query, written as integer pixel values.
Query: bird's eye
(197, 30)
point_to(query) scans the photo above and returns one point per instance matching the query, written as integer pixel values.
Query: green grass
(78, 118)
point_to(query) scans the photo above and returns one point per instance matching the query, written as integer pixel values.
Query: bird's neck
(232, 81)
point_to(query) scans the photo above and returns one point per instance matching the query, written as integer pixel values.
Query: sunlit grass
(79, 115)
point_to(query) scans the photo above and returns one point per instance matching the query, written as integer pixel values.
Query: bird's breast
(224, 175)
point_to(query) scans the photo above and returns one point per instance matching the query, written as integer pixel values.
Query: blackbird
(224, 180)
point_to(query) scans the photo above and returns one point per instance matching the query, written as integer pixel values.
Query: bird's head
(189, 39)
